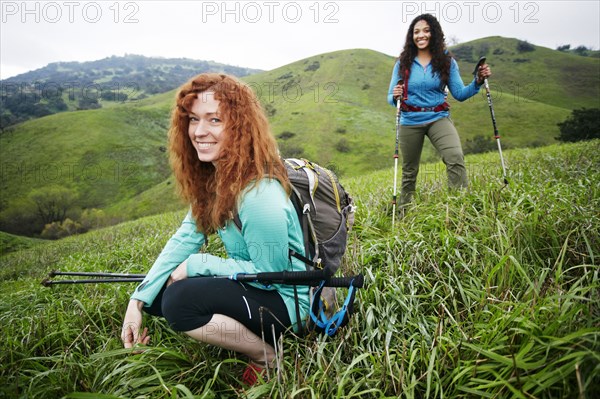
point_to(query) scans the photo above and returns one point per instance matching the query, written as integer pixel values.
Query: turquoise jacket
(270, 227)
(424, 90)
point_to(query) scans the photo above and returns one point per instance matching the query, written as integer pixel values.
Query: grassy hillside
(526, 73)
(355, 127)
(12, 243)
(330, 108)
(490, 292)
(102, 156)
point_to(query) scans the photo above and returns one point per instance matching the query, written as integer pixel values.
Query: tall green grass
(488, 292)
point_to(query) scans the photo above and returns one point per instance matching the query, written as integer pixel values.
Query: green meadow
(490, 292)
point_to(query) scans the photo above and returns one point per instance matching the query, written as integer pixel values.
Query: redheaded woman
(226, 162)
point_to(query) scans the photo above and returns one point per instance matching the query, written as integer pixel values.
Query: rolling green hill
(101, 156)
(330, 108)
(528, 73)
(69, 86)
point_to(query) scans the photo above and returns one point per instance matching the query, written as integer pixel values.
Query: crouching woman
(226, 163)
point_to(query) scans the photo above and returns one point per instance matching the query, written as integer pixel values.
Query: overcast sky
(268, 34)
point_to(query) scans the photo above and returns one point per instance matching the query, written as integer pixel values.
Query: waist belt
(438, 108)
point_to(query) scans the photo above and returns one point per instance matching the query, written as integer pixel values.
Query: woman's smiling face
(422, 34)
(206, 127)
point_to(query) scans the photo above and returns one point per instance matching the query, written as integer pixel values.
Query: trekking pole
(489, 101)
(47, 282)
(311, 278)
(105, 278)
(398, 114)
(95, 274)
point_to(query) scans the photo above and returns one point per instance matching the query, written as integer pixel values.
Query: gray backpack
(325, 211)
(326, 214)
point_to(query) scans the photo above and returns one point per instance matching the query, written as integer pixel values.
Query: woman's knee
(454, 158)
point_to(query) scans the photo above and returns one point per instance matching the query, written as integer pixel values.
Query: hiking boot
(252, 374)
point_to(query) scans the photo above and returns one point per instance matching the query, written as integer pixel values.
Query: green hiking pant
(444, 137)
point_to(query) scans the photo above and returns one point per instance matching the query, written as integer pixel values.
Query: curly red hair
(249, 151)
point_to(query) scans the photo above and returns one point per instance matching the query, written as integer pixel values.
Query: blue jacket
(424, 90)
(270, 227)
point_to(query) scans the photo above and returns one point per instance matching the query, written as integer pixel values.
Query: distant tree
(479, 144)
(20, 217)
(581, 50)
(88, 103)
(524, 46)
(286, 135)
(564, 47)
(452, 40)
(463, 52)
(53, 202)
(313, 67)
(583, 124)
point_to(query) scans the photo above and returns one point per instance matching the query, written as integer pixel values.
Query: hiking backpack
(326, 214)
(325, 211)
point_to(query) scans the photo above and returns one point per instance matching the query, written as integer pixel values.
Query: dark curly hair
(440, 57)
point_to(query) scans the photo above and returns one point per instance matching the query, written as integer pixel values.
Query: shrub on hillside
(464, 53)
(289, 150)
(524, 46)
(92, 219)
(56, 230)
(313, 67)
(583, 124)
(581, 50)
(479, 144)
(286, 135)
(343, 146)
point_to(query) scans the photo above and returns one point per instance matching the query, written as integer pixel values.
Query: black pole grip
(285, 277)
(479, 63)
(313, 277)
(357, 281)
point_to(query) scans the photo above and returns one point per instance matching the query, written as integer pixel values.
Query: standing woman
(426, 68)
(226, 162)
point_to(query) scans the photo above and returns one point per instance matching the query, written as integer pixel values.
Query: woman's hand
(180, 273)
(132, 323)
(483, 73)
(398, 91)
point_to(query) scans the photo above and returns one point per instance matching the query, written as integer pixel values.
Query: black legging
(191, 303)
